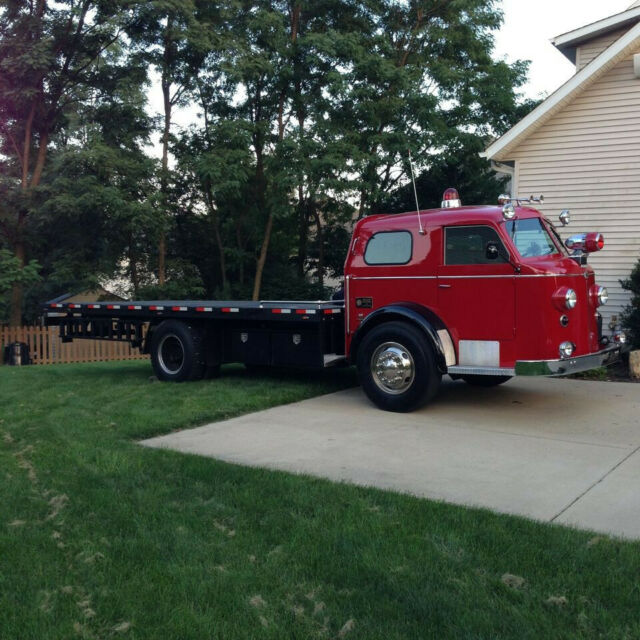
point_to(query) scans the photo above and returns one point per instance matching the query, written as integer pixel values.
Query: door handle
(444, 286)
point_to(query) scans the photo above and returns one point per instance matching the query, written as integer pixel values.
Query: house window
(468, 245)
(389, 247)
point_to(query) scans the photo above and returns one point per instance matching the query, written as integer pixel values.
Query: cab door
(476, 286)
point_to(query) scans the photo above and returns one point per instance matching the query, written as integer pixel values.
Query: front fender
(428, 322)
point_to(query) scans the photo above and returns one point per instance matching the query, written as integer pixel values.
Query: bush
(631, 315)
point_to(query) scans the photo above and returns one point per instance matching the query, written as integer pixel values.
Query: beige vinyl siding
(590, 50)
(586, 158)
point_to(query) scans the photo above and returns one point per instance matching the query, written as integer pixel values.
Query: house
(581, 146)
(97, 294)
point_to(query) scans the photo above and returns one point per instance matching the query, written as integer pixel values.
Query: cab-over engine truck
(481, 293)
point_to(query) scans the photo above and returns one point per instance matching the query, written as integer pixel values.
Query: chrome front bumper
(570, 365)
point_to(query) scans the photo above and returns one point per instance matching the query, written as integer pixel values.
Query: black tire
(405, 344)
(485, 381)
(177, 352)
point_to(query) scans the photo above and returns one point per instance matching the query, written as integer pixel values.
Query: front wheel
(397, 368)
(485, 381)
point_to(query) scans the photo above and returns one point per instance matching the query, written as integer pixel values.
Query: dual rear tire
(177, 352)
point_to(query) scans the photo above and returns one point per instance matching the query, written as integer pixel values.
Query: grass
(101, 538)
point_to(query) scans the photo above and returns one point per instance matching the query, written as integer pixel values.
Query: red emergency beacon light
(451, 199)
(594, 242)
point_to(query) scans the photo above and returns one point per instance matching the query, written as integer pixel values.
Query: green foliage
(631, 315)
(461, 168)
(307, 111)
(183, 282)
(11, 271)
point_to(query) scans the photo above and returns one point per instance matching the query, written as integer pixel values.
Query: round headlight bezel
(602, 295)
(570, 299)
(566, 349)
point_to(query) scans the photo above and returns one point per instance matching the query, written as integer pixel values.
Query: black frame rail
(72, 328)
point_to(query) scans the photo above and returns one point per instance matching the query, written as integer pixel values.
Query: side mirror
(565, 217)
(492, 251)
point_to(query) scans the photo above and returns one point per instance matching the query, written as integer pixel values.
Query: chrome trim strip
(570, 365)
(447, 345)
(394, 277)
(481, 371)
(515, 275)
(442, 277)
(346, 304)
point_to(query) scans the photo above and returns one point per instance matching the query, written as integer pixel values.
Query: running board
(481, 371)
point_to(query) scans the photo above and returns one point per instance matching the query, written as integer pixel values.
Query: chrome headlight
(570, 299)
(566, 349)
(508, 212)
(602, 295)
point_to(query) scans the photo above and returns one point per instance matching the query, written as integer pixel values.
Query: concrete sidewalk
(557, 450)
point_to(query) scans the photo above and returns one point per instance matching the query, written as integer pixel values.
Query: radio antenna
(415, 193)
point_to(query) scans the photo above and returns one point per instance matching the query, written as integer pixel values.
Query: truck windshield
(531, 238)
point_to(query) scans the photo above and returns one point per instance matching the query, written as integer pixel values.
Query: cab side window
(389, 247)
(468, 245)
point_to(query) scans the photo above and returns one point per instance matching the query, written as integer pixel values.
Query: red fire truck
(481, 293)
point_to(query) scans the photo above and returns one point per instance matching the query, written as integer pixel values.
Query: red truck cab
(481, 293)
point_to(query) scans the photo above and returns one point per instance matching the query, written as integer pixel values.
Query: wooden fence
(45, 347)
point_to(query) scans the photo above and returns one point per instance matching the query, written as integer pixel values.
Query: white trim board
(593, 30)
(618, 51)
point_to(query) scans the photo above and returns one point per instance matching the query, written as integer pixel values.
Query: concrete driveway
(556, 450)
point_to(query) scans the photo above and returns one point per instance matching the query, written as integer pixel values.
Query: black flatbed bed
(301, 333)
(195, 308)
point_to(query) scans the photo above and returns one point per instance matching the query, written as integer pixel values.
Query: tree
(93, 219)
(631, 316)
(50, 55)
(12, 271)
(173, 36)
(420, 77)
(461, 168)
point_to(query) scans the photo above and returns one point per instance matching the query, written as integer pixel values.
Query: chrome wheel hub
(171, 354)
(392, 368)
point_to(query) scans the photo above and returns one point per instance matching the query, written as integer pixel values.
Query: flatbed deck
(301, 333)
(196, 308)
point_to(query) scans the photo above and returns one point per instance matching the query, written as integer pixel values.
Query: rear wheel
(396, 367)
(485, 381)
(177, 353)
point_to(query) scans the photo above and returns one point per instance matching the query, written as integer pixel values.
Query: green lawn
(100, 538)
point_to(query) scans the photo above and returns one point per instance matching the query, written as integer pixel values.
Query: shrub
(631, 315)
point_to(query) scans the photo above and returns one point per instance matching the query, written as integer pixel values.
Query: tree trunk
(216, 232)
(257, 283)
(162, 242)
(164, 176)
(133, 268)
(303, 229)
(17, 293)
(320, 238)
(240, 239)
